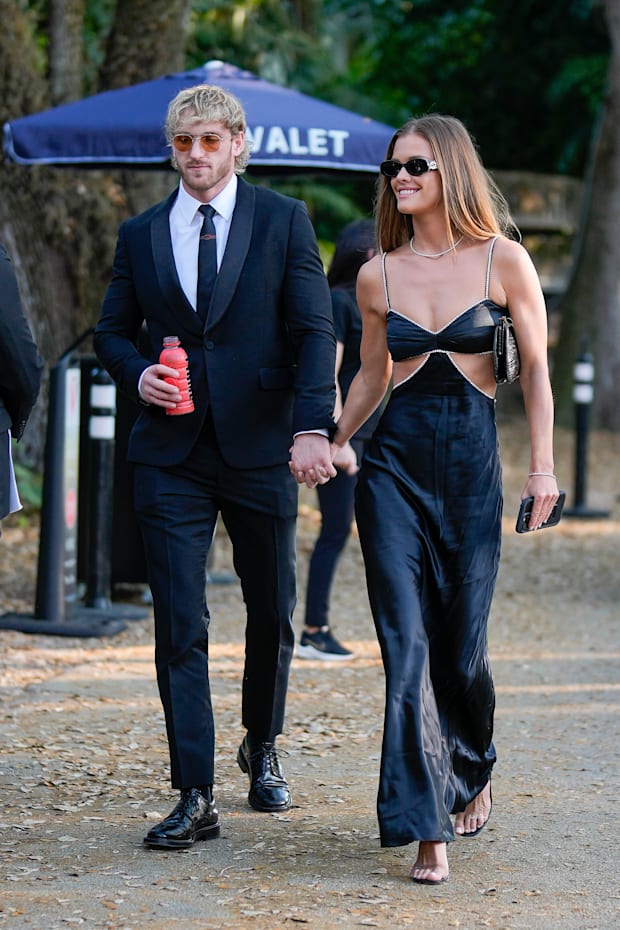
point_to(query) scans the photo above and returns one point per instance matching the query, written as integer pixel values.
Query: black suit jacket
(20, 369)
(20, 362)
(265, 359)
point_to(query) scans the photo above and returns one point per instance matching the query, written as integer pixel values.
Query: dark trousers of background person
(177, 509)
(336, 502)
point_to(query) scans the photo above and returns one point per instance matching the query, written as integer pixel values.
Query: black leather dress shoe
(268, 788)
(194, 818)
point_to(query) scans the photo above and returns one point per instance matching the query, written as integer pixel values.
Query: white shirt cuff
(142, 400)
(316, 432)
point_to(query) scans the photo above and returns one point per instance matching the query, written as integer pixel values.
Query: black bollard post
(100, 480)
(56, 610)
(101, 435)
(583, 395)
(56, 576)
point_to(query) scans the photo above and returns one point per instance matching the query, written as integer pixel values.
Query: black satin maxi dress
(428, 509)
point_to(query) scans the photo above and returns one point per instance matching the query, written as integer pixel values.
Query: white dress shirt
(185, 226)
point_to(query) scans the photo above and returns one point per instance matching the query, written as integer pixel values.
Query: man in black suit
(20, 379)
(261, 351)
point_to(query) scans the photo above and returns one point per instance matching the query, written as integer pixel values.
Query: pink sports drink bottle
(174, 356)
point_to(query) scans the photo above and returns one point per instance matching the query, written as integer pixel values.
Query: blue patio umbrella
(287, 129)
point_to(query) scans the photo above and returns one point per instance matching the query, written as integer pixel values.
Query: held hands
(344, 458)
(543, 487)
(154, 390)
(311, 462)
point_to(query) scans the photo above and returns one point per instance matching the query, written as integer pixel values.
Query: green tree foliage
(278, 40)
(526, 77)
(590, 307)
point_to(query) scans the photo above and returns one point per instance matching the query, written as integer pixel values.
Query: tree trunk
(66, 54)
(590, 309)
(147, 39)
(27, 201)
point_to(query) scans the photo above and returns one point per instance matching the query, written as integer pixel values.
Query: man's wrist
(141, 399)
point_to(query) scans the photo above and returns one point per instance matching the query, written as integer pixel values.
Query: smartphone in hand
(525, 511)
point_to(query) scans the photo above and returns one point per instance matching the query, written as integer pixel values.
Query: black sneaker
(322, 645)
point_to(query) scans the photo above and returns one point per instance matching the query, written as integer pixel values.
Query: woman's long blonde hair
(473, 204)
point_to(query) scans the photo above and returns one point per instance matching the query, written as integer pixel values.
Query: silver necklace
(434, 254)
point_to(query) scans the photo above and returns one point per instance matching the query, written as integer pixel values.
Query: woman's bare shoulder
(370, 270)
(515, 269)
(370, 289)
(512, 261)
(370, 275)
(510, 251)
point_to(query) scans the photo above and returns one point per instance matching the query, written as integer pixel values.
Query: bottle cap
(171, 340)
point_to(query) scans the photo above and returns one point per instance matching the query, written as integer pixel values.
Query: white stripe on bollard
(101, 427)
(103, 396)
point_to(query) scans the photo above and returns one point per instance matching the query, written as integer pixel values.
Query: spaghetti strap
(488, 278)
(385, 287)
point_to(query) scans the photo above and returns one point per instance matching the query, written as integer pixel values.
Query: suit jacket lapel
(165, 268)
(236, 250)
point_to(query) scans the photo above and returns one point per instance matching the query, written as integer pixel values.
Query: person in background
(429, 493)
(354, 246)
(20, 379)
(234, 271)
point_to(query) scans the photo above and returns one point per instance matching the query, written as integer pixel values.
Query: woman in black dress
(429, 494)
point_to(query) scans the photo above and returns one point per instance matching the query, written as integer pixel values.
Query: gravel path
(84, 760)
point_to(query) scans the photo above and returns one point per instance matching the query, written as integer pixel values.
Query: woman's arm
(370, 383)
(344, 457)
(526, 306)
(339, 357)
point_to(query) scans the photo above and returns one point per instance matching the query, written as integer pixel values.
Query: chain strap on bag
(506, 361)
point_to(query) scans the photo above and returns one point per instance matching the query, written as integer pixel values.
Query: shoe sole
(207, 833)
(269, 810)
(429, 881)
(309, 652)
(244, 765)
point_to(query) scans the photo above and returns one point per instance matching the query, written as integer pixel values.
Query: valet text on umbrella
(294, 141)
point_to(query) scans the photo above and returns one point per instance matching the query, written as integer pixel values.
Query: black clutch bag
(525, 511)
(506, 362)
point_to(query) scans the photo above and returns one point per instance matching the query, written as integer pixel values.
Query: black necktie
(207, 262)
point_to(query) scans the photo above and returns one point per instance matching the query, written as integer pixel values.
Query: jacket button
(209, 344)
